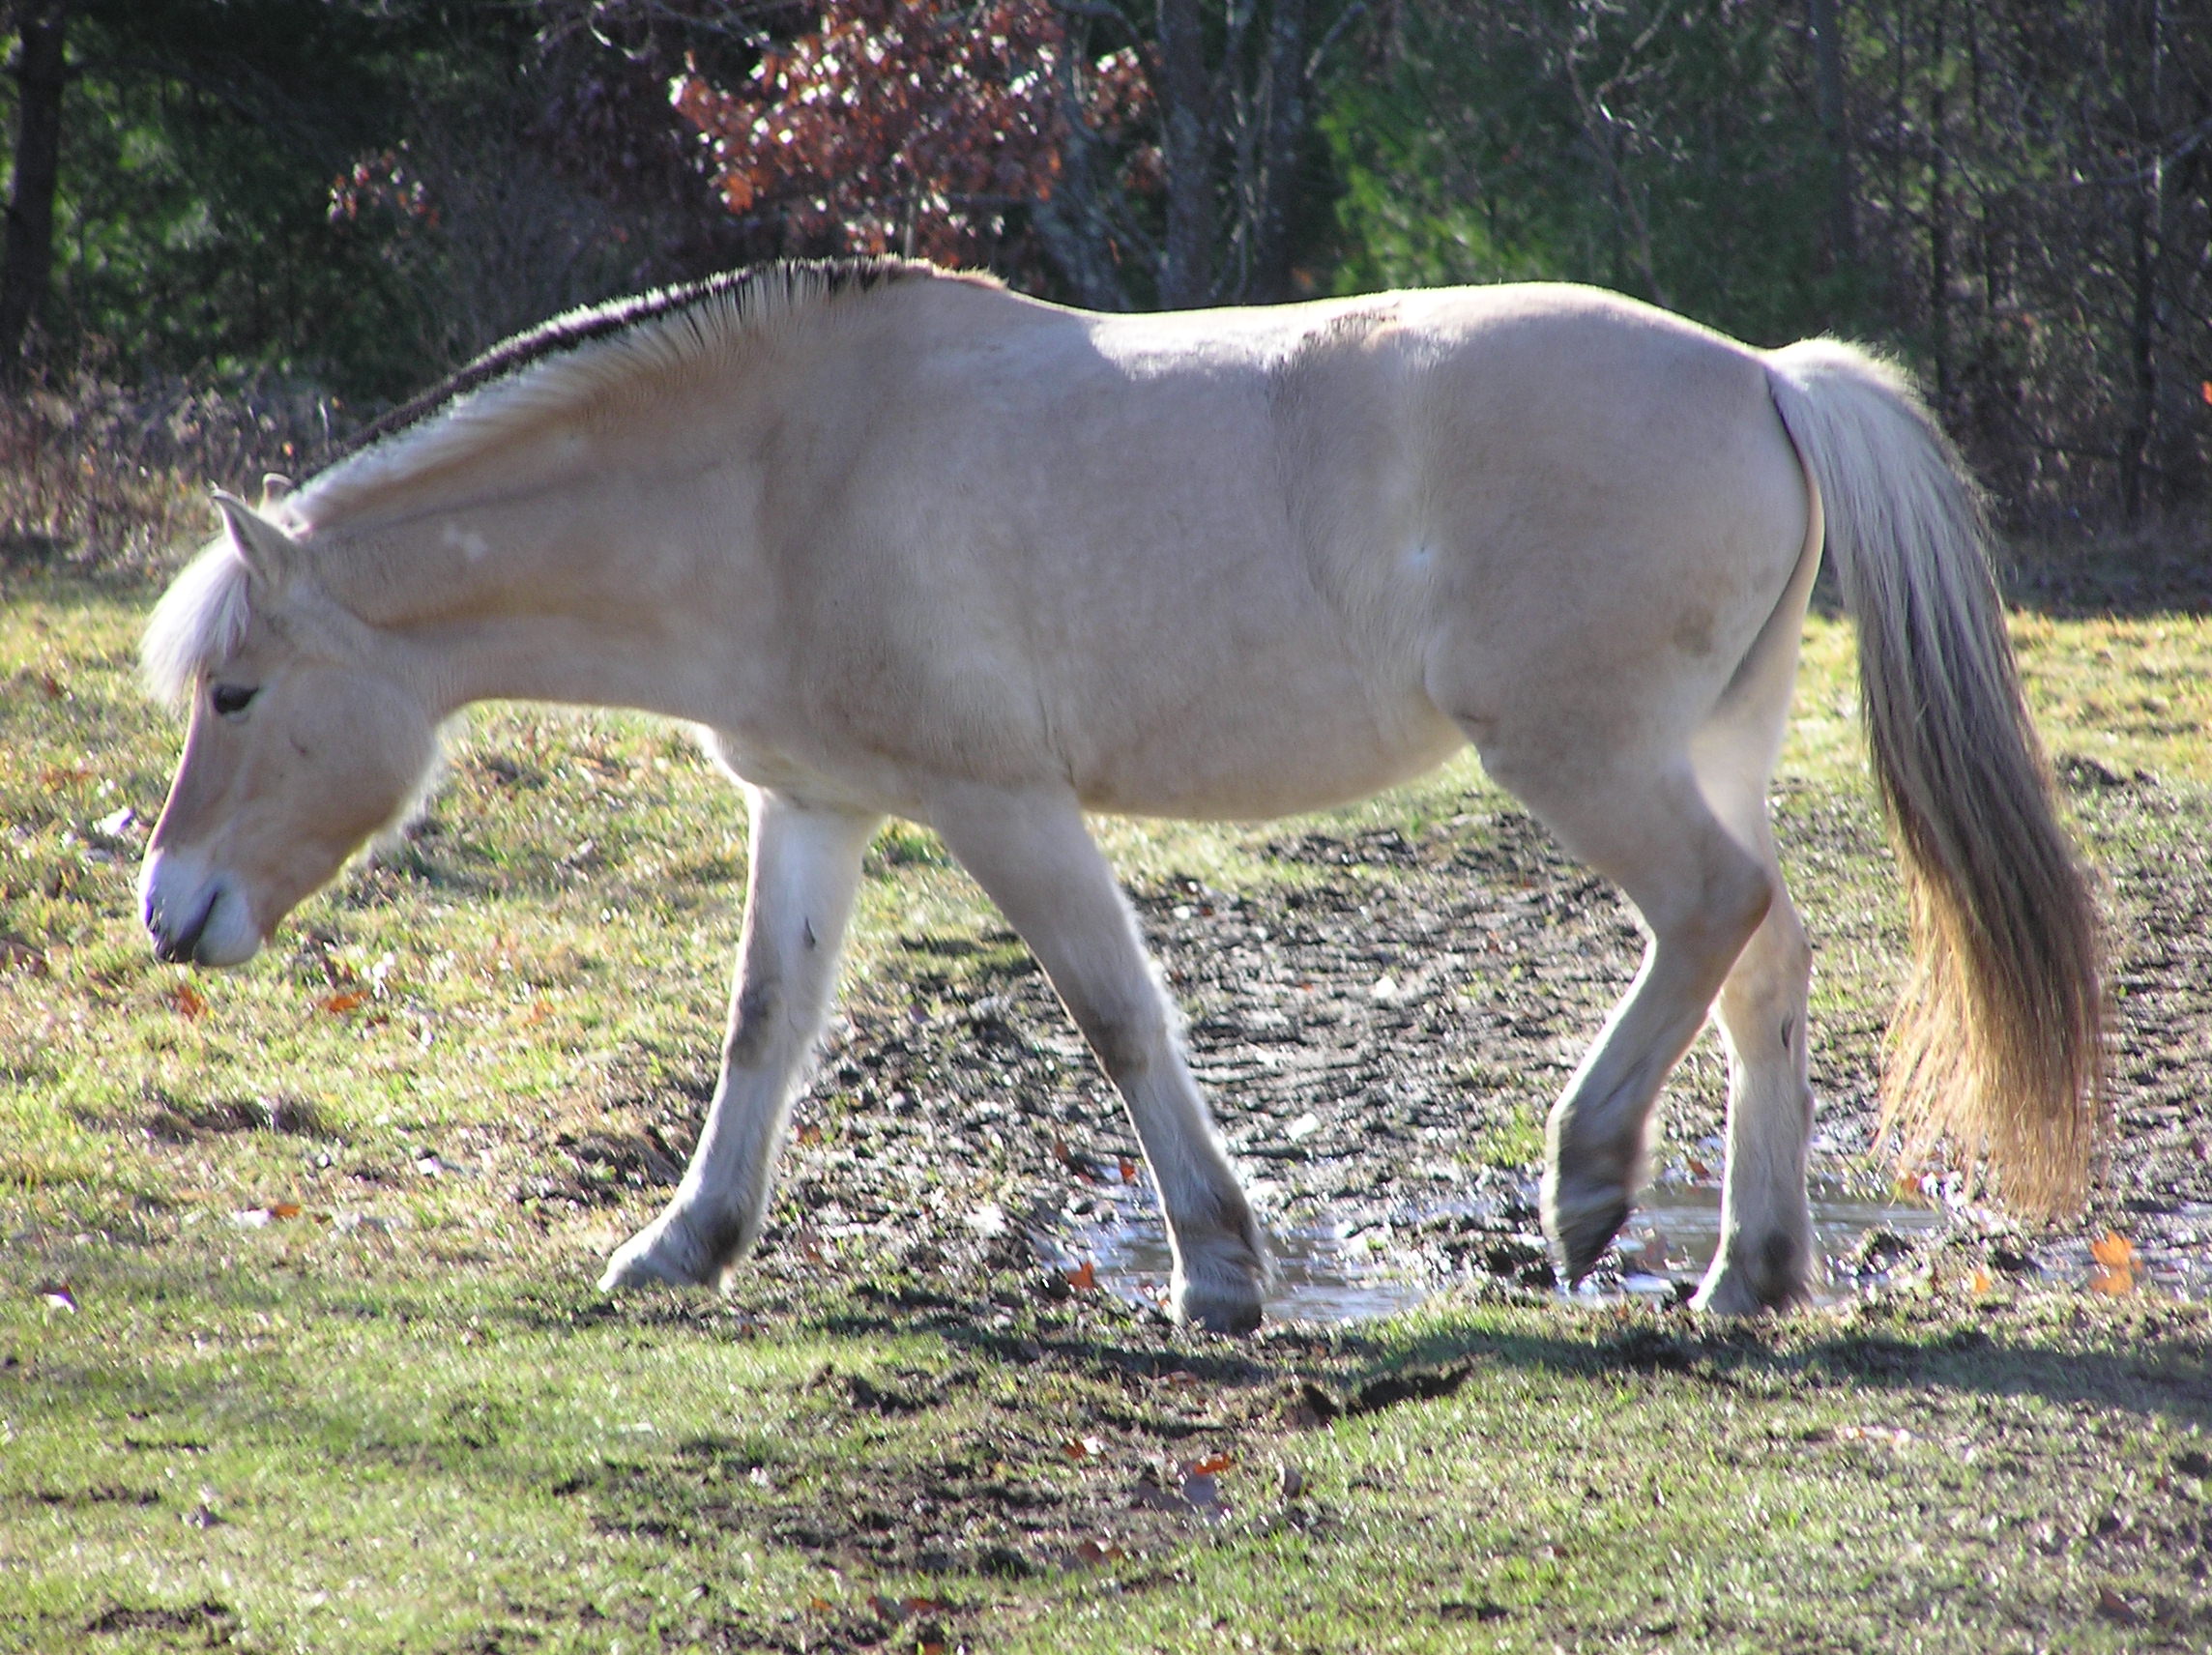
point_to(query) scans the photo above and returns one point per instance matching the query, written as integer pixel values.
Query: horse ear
(266, 548)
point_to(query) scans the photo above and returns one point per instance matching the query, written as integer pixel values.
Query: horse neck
(574, 589)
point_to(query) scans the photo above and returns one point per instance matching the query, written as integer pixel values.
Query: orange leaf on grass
(188, 1002)
(285, 1210)
(338, 1005)
(1084, 1278)
(1128, 1170)
(1209, 1466)
(2118, 1266)
(1083, 1448)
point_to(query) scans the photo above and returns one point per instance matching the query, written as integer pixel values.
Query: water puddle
(1322, 1279)
(1671, 1237)
(1384, 1263)
(1328, 1275)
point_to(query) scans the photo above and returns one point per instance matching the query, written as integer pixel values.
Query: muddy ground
(1381, 1033)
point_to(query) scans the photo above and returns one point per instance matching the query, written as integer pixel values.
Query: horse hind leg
(1765, 1261)
(1647, 828)
(805, 869)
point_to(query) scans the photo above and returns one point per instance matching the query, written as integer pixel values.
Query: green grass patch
(298, 1347)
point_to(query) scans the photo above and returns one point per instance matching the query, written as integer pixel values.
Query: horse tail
(1997, 1043)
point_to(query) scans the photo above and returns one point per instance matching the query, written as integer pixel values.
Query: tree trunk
(1939, 230)
(1186, 261)
(1835, 126)
(27, 257)
(2143, 82)
(1284, 137)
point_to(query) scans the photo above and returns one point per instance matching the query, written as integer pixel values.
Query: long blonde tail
(1997, 1043)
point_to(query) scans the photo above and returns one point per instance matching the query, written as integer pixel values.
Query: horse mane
(198, 624)
(201, 620)
(575, 355)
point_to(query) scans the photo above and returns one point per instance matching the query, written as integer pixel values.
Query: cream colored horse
(904, 543)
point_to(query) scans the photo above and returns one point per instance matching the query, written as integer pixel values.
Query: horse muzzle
(194, 914)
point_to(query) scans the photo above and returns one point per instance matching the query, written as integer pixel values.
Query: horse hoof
(1582, 1226)
(1775, 1282)
(654, 1257)
(1217, 1312)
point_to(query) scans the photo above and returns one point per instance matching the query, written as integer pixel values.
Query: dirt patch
(1380, 1038)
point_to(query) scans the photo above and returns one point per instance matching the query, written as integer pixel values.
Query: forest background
(236, 228)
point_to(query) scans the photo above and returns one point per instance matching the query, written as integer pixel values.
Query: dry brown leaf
(285, 1210)
(186, 1001)
(17, 954)
(1208, 1464)
(338, 1005)
(1083, 1448)
(1128, 1170)
(1084, 1278)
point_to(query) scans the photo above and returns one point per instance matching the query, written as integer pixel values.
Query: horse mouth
(179, 948)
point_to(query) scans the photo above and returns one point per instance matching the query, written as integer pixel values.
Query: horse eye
(229, 699)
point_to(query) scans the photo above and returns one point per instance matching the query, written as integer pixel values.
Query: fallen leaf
(2116, 1252)
(188, 1002)
(820, 1606)
(1983, 1282)
(2118, 1266)
(1208, 1466)
(1083, 1448)
(285, 1210)
(1084, 1278)
(809, 1133)
(338, 1005)
(1883, 1436)
(1128, 1170)
(1090, 1554)
(63, 775)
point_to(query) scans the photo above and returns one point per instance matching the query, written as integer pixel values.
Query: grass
(298, 1349)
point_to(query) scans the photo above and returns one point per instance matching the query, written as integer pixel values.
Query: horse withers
(903, 543)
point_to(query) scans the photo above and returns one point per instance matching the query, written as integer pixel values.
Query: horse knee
(754, 1024)
(1125, 1037)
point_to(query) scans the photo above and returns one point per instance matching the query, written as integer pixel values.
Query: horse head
(305, 739)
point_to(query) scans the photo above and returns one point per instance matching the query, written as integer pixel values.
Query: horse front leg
(798, 896)
(1031, 852)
